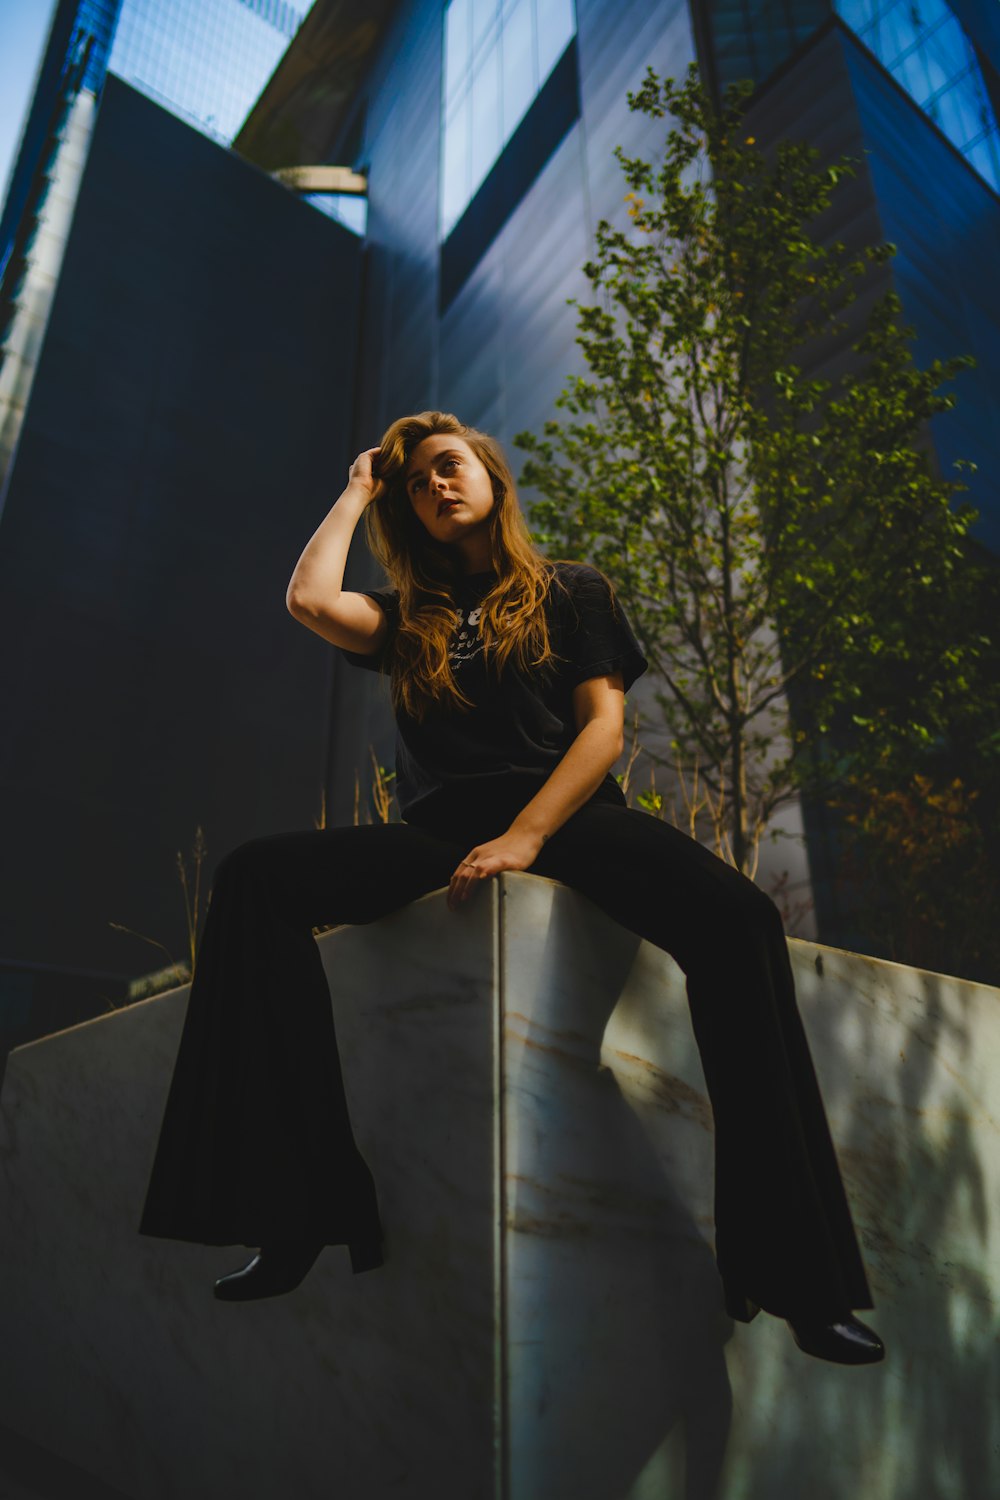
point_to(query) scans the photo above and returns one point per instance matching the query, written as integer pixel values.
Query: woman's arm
(599, 715)
(319, 572)
(599, 711)
(574, 779)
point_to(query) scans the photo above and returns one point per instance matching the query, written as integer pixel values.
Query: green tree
(920, 828)
(765, 529)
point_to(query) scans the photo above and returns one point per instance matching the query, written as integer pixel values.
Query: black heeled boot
(844, 1339)
(275, 1269)
(280, 1267)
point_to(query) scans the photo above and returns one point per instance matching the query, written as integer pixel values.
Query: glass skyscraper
(204, 60)
(925, 49)
(921, 43)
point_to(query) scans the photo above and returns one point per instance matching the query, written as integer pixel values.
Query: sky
(24, 28)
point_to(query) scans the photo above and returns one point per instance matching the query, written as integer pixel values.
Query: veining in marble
(905, 1061)
(118, 1357)
(524, 1082)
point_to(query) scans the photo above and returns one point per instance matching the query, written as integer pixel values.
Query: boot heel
(741, 1307)
(366, 1255)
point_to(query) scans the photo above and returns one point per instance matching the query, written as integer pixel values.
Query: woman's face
(450, 490)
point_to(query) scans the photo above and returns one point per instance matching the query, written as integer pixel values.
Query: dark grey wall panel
(187, 431)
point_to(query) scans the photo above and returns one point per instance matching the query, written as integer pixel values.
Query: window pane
(937, 62)
(518, 66)
(350, 209)
(484, 19)
(985, 157)
(856, 13)
(896, 34)
(555, 27)
(957, 113)
(933, 12)
(949, 43)
(912, 74)
(455, 189)
(485, 117)
(456, 45)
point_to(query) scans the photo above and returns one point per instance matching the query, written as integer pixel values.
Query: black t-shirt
(522, 725)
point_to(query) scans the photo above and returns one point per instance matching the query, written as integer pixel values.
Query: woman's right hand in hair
(361, 477)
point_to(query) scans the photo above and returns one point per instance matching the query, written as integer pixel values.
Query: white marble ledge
(548, 1322)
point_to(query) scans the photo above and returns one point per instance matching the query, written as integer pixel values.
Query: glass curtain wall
(497, 56)
(206, 61)
(921, 43)
(923, 46)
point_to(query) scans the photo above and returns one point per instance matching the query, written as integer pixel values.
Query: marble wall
(549, 1319)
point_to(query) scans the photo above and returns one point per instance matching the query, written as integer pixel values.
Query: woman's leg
(256, 1143)
(784, 1234)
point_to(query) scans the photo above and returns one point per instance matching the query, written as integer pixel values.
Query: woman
(508, 673)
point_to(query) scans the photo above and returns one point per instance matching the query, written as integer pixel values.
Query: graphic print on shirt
(466, 641)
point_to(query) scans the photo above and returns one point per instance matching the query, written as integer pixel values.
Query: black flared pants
(256, 1143)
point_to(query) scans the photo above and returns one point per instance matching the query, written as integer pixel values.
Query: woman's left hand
(511, 851)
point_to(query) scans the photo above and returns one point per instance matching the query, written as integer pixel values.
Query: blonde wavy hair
(424, 572)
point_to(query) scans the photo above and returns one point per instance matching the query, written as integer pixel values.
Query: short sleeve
(377, 661)
(599, 639)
